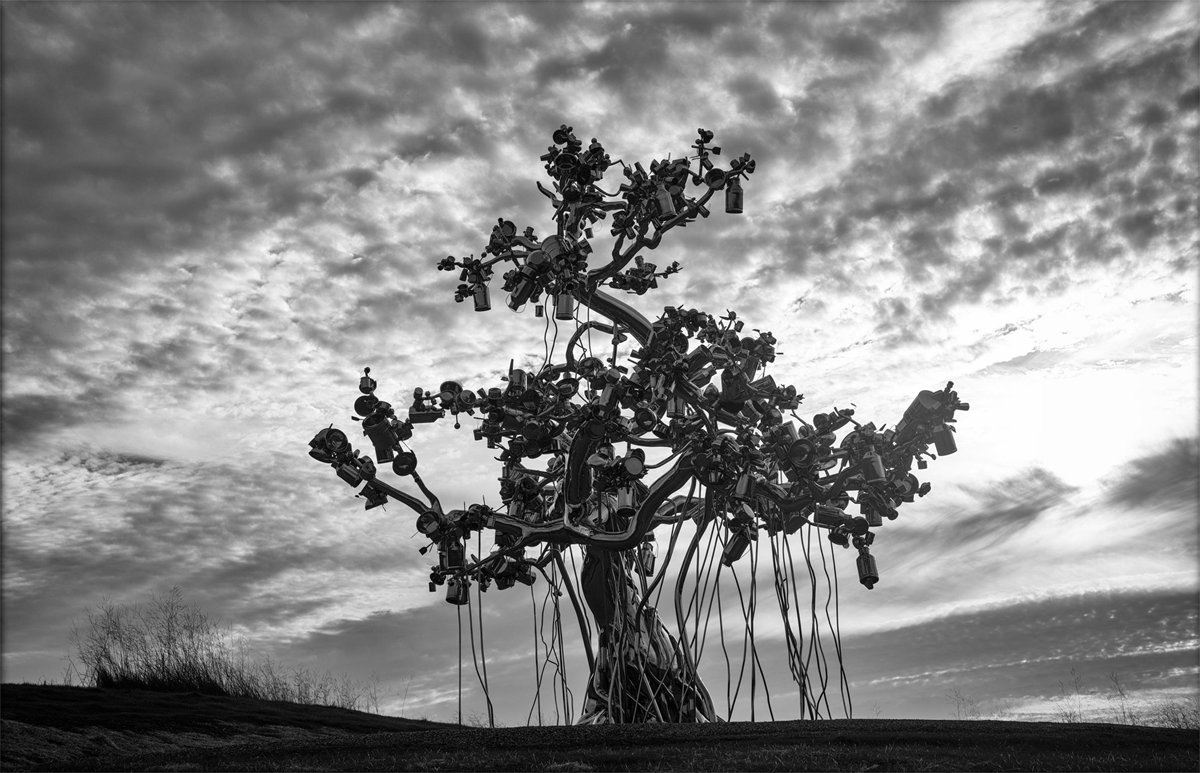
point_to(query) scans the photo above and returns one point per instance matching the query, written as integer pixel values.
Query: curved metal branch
(433, 500)
(630, 537)
(579, 332)
(578, 476)
(405, 498)
(618, 311)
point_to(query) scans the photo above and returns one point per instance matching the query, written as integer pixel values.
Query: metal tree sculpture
(695, 393)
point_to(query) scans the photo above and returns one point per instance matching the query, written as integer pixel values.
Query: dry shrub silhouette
(1179, 714)
(170, 645)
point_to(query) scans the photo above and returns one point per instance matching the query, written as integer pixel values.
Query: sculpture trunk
(641, 672)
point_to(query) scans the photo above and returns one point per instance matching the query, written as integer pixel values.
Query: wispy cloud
(1172, 475)
(1010, 655)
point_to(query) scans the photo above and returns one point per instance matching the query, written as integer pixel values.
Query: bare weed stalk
(171, 646)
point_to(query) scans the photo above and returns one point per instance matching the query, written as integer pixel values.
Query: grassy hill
(75, 728)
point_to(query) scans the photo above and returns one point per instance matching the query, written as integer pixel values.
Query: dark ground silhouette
(74, 728)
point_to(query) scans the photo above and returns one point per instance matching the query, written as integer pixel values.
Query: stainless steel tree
(734, 460)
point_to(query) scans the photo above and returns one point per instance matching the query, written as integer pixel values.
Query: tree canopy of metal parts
(731, 464)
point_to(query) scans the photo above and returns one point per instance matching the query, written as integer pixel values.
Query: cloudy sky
(215, 215)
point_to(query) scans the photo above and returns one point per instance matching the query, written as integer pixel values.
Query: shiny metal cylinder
(733, 197)
(872, 468)
(448, 391)
(744, 488)
(829, 516)
(377, 428)
(564, 306)
(521, 293)
(625, 503)
(764, 384)
(677, 407)
(405, 463)
(735, 547)
(665, 205)
(646, 557)
(458, 591)
(453, 555)
(644, 419)
(698, 358)
(350, 474)
(552, 247)
(802, 452)
(702, 376)
(868, 572)
(483, 301)
(365, 405)
(429, 524)
(943, 441)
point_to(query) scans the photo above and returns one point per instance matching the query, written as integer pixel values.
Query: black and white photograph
(577, 386)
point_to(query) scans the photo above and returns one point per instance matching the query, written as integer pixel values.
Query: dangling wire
(843, 682)
(460, 659)
(712, 584)
(589, 330)
(805, 693)
(694, 601)
(829, 589)
(753, 642)
(815, 644)
(545, 338)
(753, 651)
(537, 699)
(482, 649)
(662, 570)
(482, 681)
(745, 644)
(571, 580)
(549, 348)
(725, 651)
(548, 647)
(680, 618)
(784, 575)
(568, 708)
